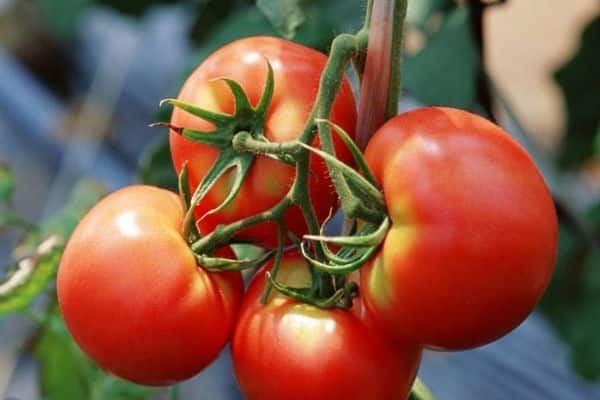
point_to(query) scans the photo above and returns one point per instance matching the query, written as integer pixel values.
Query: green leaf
(7, 183)
(42, 250)
(62, 16)
(155, 166)
(316, 32)
(285, 15)
(444, 72)
(340, 15)
(572, 302)
(67, 373)
(579, 80)
(29, 277)
(419, 12)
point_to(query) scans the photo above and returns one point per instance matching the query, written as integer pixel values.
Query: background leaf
(579, 80)
(66, 373)
(7, 183)
(444, 72)
(29, 283)
(155, 166)
(26, 281)
(285, 15)
(419, 12)
(572, 302)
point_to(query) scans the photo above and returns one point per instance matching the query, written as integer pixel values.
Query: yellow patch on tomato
(285, 121)
(400, 210)
(296, 274)
(398, 242)
(308, 326)
(210, 95)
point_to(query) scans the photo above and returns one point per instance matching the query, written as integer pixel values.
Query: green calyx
(247, 122)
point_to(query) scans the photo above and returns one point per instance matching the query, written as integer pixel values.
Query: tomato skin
(474, 232)
(294, 351)
(132, 295)
(297, 70)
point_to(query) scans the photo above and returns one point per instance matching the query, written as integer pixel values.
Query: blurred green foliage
(443, 72)
(285, 15)
(7, 184)
(155, 166)
(579, 80)
(572, 302)
(44, 262)
(67, 373)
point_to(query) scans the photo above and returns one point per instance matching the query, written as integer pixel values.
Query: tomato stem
(395, 83)
(244, 142)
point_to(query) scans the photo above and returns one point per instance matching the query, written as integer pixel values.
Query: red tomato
(132, 295)
(474, 232)
(295, 351)
(297, 70)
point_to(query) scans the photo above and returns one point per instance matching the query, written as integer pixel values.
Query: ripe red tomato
(295, 351)
(132, 295)
(474, 233)
(297, 70)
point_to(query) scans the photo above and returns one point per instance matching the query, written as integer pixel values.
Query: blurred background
(80, 80)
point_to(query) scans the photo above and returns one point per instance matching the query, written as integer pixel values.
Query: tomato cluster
(469, 251)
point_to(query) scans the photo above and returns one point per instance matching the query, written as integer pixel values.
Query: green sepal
(217, 139)
(361, 240)
(220, 264)
(370, 194)
(341, 268)
(267, 94)
(327, 253)
(226, 160)
(242, 165)
(243, 108)
(184, 187)
(216, 118)
(349, 258)
(356, 153)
